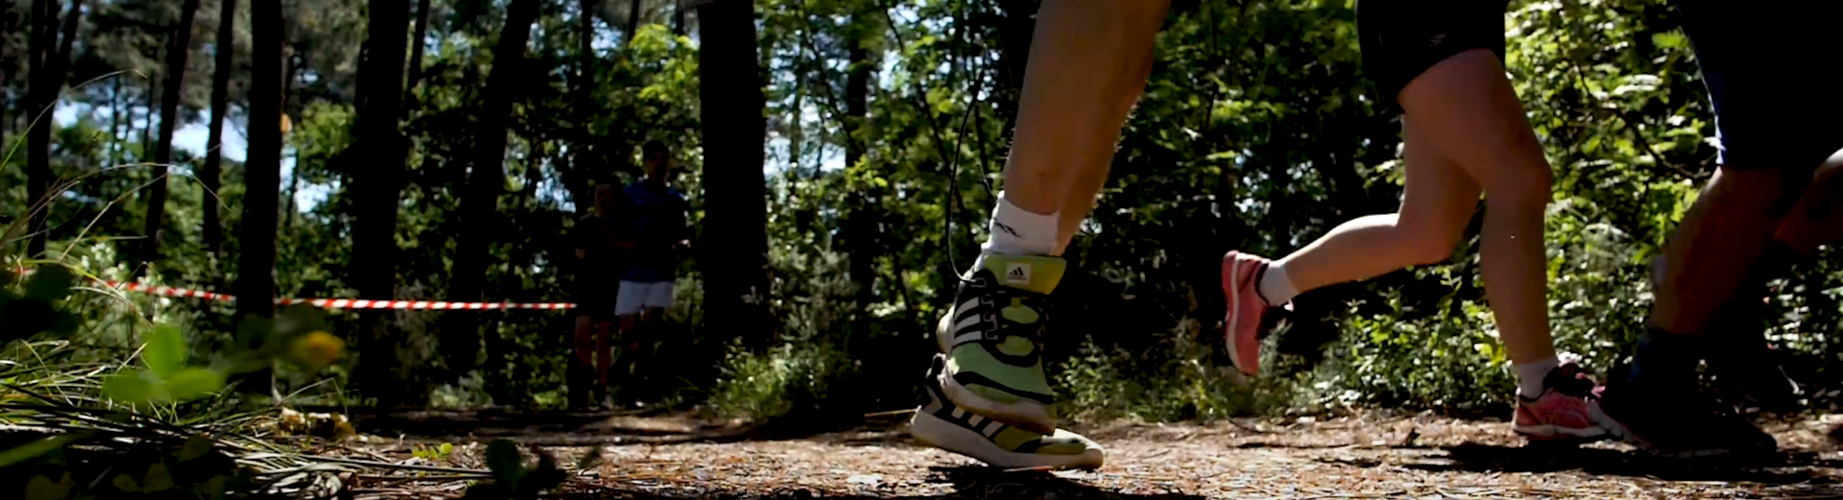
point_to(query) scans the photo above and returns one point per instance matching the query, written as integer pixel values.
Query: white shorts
(635, 296)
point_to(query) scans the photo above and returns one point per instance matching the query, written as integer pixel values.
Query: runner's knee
(1429, 242)
(1523, 185)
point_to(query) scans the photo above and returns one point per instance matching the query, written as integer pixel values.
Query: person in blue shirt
(653, 232)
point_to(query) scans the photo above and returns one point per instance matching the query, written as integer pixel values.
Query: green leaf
(214, 488)
(540, 480)
(27, 451)
(158, 479)
(50, 283)
(1670, 40)
(128, 386)
(193, 383)
(165, 352)
(502, 458)
(126, 484)
(253, 332)
(196, 446)
(42, 488)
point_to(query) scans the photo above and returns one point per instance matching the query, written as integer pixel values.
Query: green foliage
(782, 381)
(35, 448)
(1099, 384)
(511, 480)
(434, 454)
(31, 308)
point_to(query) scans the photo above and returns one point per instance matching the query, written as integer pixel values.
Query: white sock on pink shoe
(1275, 287)
(1530, 375)
(1016, 231)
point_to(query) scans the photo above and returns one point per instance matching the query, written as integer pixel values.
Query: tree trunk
(6, 80)
(294, 188)
(38, 142)
(585, 164)
(147, 113)
(862, 222)
(633, 20)
(585, 39)
(422, 31)
(795, 135)
(1018, 26)
(179, 44)
(377, 188)
(461, 329)
(212, 173)
(49, 61)
(262, 175)
(117, 106)
(735, 241)
(678, 18)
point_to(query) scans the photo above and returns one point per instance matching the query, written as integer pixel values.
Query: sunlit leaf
(193, 383)
(165, 352)
(1673, 39)
(129, 386)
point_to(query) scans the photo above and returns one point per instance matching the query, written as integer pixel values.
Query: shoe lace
(996, 299)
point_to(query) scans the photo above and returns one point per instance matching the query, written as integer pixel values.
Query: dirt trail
(1373, 457)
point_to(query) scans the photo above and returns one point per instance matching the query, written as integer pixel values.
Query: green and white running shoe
(942, 425)
(993, 338)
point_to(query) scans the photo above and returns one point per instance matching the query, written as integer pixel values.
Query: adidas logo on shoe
(1017, 274)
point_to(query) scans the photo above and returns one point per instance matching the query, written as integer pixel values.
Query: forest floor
(1372, 456)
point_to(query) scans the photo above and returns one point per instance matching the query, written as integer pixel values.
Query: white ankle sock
(1016, 231)
(1529, 375)
(1275, 287)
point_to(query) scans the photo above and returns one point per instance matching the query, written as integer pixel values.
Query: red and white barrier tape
(165, 291)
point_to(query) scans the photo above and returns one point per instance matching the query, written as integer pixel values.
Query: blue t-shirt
(655, 221)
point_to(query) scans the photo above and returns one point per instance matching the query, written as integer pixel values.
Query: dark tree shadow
(1796, 468)
(602, 427)
(987, 482)
(962, 482)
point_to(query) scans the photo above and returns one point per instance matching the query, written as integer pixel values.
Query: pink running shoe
(1243, 327)
(1567, 410)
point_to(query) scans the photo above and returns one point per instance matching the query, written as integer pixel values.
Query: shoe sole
(1618, 430)
(1028, 415)
(1552, 432)
(1234, 292)
(935, 432)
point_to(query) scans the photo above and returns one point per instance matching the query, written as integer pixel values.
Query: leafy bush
(788, 379)
(1173, 381)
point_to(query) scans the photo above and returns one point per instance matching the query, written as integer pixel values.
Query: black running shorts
(1775, 78)
(1403, 38)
